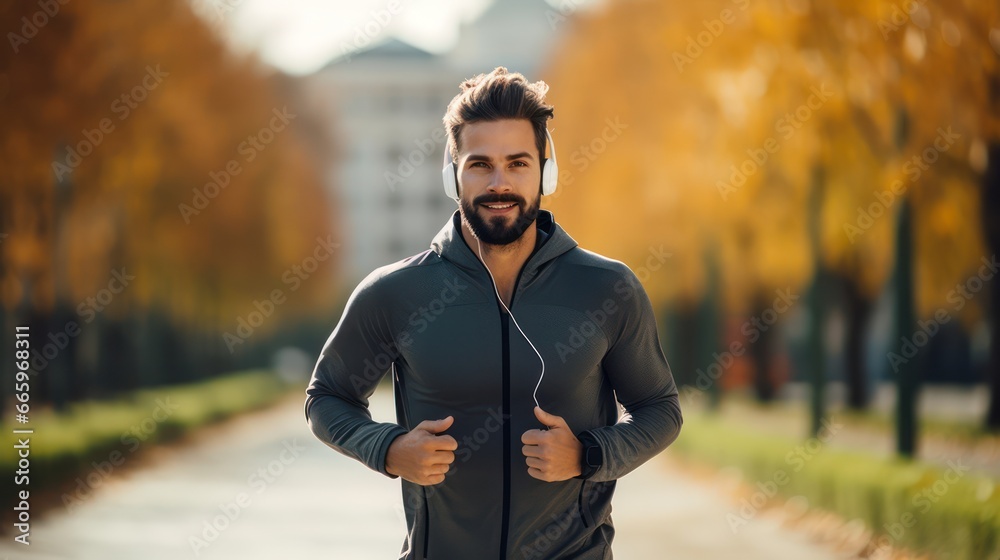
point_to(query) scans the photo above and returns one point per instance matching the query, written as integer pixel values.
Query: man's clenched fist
(553, 454)
(421, 456)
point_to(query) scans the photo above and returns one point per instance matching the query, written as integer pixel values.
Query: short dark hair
(496, 96)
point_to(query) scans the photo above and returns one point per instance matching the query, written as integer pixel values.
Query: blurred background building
(386, 102)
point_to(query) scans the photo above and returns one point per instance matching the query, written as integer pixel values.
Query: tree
(704, 87)
(135, 142)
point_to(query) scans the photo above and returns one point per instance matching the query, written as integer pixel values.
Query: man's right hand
(421, 456)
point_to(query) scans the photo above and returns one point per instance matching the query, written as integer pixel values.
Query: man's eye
(475, 163)
(521, 163)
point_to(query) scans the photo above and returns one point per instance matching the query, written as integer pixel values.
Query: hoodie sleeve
(643, 384)
(353, 361)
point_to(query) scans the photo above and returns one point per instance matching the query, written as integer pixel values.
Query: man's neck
(504, 261)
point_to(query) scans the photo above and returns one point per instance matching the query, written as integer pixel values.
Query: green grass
(956, 520)
(938, 427)
(965, 431)
(64, 445)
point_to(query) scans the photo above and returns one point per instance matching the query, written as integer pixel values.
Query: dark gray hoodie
(434, 322)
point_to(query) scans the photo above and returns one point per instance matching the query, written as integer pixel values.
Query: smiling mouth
(500, 205)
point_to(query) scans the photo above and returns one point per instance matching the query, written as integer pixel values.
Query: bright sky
(300, 36)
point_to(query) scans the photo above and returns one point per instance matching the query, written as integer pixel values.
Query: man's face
(499, 176)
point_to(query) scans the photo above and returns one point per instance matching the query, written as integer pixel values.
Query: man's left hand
(554, 454)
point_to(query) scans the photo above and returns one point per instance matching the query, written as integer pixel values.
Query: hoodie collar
(552, 241)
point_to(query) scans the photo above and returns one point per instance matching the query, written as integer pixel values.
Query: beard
(496, 230)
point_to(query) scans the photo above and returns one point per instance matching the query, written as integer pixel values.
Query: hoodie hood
(552, 241)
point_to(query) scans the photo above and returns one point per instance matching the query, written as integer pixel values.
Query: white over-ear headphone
(550, 172)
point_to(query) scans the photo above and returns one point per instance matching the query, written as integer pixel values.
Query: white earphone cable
(534, 394)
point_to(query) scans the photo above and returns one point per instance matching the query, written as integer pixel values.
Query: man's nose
(499, 181)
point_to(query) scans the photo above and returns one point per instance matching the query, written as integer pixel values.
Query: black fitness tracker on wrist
(592, 458)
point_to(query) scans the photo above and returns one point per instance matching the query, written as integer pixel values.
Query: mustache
(499, 199)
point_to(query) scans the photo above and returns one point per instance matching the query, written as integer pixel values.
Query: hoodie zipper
(505, 520)
(505, 368)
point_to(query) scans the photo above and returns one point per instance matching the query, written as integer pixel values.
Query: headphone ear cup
(550, 177)
(450, 184)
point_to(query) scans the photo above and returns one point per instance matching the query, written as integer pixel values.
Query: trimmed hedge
(64, 446)
(950, 513)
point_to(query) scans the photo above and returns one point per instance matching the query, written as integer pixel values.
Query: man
(467, 326)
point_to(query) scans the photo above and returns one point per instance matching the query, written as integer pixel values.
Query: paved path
(311, 502)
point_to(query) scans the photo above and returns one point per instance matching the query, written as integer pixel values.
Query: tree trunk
(991, 225)
(817, 309)
(857, 308)
(908, 371)
(817, 351)
(709, 327)
(685, 342)
(761, 354)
